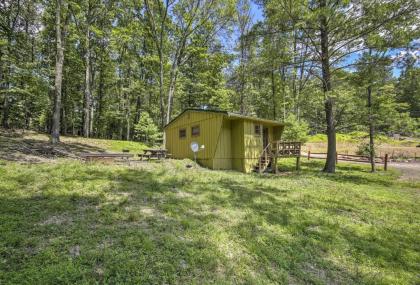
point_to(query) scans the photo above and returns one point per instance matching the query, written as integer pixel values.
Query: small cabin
(228, 140)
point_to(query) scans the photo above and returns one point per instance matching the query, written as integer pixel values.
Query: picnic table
(101, 156)
(154, 153)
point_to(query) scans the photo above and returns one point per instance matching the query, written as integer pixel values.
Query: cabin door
(265, 137)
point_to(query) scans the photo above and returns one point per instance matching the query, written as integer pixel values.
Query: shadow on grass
(155, 227)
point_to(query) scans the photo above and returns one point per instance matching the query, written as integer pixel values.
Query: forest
(122, 69)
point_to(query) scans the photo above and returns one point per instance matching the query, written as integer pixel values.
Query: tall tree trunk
(294, 76)
(273, 93)
(98, 120)
(55, 130)
(128, 126)
(371, 129)
(138, 109)
(87, 93)
(63, 109)
(283, 87)
(6, 111)
(172, 85)
(242, 79)
(162, 103)
(7, 75)
(329, 102)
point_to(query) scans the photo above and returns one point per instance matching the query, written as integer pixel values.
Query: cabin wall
(210, 126)
(253, 145)
(237, 144)
(277, 132)
(223, 154)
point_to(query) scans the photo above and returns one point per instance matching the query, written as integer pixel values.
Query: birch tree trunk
(55, 130)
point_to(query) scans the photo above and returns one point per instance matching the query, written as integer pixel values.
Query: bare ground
(18, 146)
(409, 170)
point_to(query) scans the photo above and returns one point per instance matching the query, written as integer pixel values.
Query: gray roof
(231, 116)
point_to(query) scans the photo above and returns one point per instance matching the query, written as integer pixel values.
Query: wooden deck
(278, 149)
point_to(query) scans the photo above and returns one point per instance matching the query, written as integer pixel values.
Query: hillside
(36, 147)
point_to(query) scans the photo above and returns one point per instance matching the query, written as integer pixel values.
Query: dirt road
(409, 170)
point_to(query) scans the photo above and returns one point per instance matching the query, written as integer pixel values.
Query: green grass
(69, 222)
(114, 145)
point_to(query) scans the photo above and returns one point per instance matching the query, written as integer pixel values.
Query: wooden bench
(143, 155)
(105, 156)
(154, 153)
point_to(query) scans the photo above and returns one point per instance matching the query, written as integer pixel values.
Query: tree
(333, 31)
(55, 130)
(409, 82)
(146, 130)
(296, 130)
(190, 17)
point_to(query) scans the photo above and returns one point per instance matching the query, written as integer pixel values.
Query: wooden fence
(351, 157)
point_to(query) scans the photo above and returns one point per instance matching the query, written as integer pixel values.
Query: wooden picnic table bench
(154, 153)
(99, 156)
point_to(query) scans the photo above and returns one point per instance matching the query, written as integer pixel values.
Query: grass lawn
(161, 223)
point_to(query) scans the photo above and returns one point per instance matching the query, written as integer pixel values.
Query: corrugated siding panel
(237, 144)
(277, 132)
(253, 145)
(223, 155)
(210, 124)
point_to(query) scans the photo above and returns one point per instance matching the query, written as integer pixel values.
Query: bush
(364, 149)
(295, 130)
(146, 130)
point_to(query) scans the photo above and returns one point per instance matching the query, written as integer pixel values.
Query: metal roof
(230, 116)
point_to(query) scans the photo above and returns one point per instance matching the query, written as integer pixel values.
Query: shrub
(296, 130)
(364, 149)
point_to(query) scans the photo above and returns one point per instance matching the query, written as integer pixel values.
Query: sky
(258, 15)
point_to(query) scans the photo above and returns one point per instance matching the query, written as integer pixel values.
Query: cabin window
(182, 133)
(195, 131)
(257, 130)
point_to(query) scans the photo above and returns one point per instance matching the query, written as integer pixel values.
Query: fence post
(275, 164)
(336, 158)
(386, 162)
(309, 154)
(297, 163)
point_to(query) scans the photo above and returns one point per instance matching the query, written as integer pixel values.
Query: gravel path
(409, 170)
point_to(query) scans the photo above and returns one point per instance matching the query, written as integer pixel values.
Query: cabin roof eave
(229, 116)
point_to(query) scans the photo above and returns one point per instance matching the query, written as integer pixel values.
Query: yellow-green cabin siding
(237, 144)
(229, 142)
(210, 124)
(223, 154)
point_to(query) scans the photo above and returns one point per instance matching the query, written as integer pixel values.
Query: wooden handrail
(265, 155)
